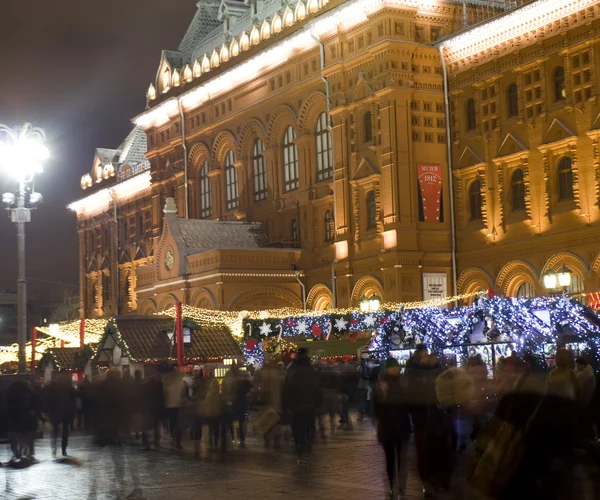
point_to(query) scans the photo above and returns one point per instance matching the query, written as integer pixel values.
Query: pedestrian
(421, 371)
(21, 419)
(211, 412)
(393, 424)
(198, 387)
(109, 409)
(236, 387)
(61, 405)
(174, 390)
(272, 380)
(302, 397)
(153, 410)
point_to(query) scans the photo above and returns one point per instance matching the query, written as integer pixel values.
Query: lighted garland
(111, 330)
(186, 323)
(487, 320)
(236, 320)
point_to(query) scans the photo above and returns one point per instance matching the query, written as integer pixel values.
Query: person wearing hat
(393, 424)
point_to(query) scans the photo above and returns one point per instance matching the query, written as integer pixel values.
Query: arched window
(512, 98)
(295, 233)
(371, 210)
(526, 290)
(106, 290)
(290, 160)
(328, 225)
(470, 109)
(560, 92)
(204, 191)
(231, 182)
(475, 200)
(576, 285)
(565, 179)
(517, 185)
(367, 127)
(324, 152)
(259, 171)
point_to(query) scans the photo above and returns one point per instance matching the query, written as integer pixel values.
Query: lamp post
(371, 304)
(21, 151)
(554, 280)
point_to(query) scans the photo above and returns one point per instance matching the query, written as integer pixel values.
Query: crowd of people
(525, 433)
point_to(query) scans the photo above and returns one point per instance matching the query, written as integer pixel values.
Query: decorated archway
(264, 298)
(513, 275)
(319, 298)
(366, 287)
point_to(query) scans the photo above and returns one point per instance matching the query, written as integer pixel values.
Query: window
(295, 233)
(565, 179)
(576, 285)
(259, 171)
(290, 160)
(512, 98)
(371, 210)
(526, 290)
(475, 200)
(560, 92)
(148, 224)
(106, 291)
(367, 127)
(204, 191)
(328, 225)
(324, 152)
(470, 108)
(517, 184)
(231, 182)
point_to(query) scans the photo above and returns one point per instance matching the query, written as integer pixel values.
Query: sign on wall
(435, 286)
(430, 184)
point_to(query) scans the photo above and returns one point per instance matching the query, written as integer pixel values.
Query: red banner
(430, 184)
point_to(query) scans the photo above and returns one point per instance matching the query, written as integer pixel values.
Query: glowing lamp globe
(550, 280)
(564, 276)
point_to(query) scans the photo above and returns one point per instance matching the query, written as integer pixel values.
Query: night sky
(79, 69)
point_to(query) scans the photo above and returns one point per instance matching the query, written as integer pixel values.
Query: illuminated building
(341, 208)
(525, 129)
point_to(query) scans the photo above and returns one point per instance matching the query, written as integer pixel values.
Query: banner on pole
(430, 184)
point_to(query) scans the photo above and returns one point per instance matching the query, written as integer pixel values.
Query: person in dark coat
(21, 418)
(301, 398)
(393, 423)
(153, 409)
(421, 371)
(61, 406)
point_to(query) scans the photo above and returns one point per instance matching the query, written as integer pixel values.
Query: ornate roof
(202, 235)
(204, 22)
(133, 149)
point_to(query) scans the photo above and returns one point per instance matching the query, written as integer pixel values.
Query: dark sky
(80, 70)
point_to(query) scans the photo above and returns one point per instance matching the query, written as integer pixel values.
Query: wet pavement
(348, 466)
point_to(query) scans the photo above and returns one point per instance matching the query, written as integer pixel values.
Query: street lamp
(553, 280)
(22, 150)
(371, 304)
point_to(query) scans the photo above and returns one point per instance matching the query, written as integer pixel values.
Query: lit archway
(366, 287)
(319, 298)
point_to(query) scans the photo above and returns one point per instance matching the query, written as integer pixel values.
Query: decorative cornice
(518, 26)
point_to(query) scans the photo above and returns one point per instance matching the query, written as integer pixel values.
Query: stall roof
(146, 338)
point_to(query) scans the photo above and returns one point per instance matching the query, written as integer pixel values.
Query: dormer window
(205, 64)
(187, 74)
(313, 6)
(300, 11)
(151, 92)
(166, 80)
(234, 49)
(176, 80)
(99, 172)
(244, 41)
(254, 36)
(214, 59)
(224, 54)
(288, 17)
(277, 24)
(197, 69)
(265, 31)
